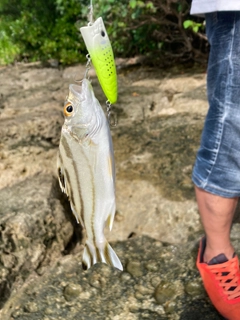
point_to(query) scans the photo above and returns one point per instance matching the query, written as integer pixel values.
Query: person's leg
(217, 165)
(216, 173)
(216, 214)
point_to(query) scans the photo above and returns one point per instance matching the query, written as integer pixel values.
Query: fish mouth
(76, 94)
(76, 90)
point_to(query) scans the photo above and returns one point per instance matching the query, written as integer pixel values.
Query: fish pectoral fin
(65, 187)
(102, 253)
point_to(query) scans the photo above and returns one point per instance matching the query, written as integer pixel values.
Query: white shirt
(205, 6)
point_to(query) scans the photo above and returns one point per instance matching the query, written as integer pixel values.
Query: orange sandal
(221, 279)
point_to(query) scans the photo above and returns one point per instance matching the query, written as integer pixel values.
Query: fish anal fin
(110, 218)
(102, 253)
(109, 221)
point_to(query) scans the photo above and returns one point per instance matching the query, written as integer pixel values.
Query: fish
(86, 171)
(100, 50)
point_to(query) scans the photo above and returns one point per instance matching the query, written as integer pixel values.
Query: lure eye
(102, 33)
(68, 109)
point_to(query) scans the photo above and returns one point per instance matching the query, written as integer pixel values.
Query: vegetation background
(162, 31)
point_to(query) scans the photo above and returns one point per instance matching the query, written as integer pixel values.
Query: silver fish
(86, 171)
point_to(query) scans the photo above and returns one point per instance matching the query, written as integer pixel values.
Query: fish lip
(76, 95)
(74, 89)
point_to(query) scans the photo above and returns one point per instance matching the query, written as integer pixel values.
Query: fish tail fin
(102, 253)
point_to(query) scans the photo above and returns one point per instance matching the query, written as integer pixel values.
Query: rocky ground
(156, 228)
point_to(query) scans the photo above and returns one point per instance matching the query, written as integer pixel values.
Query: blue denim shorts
(217, 166)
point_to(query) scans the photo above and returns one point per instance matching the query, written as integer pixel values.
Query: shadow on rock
(200, 309)
(161, 150)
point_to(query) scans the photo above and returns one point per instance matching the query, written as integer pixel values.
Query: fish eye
(102, 33)
(68, 109)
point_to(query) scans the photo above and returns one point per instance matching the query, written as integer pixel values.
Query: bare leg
(216, 214)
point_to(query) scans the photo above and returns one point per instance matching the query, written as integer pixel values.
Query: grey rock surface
(159, 282)
(156, 228)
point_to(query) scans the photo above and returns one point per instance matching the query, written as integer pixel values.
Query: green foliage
(40, 30)
(122, 21)
(46, 29)
(192, 24)
(8, 50)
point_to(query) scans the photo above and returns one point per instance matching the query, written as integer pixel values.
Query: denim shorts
(217, 166)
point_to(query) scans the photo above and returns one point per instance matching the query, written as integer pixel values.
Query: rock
(164, 292)
(67, 291)
(194, 288)
(34, 229)
(156, 228)
(72, 291)
(134, 268)
(103, 292)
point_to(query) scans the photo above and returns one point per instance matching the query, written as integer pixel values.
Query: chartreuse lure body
(101, 54)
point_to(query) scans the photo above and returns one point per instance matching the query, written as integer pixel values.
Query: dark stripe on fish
(66, 147)
(93, 207)
(106, 255)
(71, 195)
(90, 255)
(70, 155)
(86, 264)
(98, 254)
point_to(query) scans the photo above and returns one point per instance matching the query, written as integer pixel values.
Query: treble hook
(88, 65)
(111, 115)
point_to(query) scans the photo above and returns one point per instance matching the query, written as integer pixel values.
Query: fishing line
(91, 13)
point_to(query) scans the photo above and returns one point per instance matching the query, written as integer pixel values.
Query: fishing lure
(100, 50)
